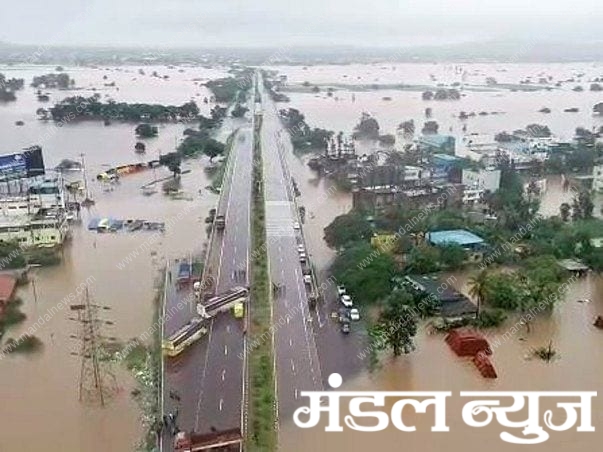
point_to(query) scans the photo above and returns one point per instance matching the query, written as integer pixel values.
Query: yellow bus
(184, 337)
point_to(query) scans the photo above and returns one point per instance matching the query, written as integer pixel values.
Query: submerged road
(206, 383)
(296, 360)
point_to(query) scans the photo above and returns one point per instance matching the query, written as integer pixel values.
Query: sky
(261, 23)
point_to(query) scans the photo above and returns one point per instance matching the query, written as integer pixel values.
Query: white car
(301, 248)
(308, 279)
(340, 290)
(302, 257)
(354, 314)
(346, 300)
(296, 226)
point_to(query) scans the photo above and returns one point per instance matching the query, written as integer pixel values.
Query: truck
(220, 222)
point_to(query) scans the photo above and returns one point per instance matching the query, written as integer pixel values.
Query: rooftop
(460, 237)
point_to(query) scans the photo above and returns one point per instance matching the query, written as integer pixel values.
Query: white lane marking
(228, 328)
(222, 404)
(288, 320)
(290, 342)
(292, 366)
(296, 394)
(226, 349)
(223, 374)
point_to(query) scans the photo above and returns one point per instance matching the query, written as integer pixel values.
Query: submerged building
(32, 205)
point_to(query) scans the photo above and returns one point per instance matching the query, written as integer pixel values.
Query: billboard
(28, 163)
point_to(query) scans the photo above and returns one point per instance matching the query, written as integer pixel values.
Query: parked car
(346, 300)
(354, 314)
(308, 279)
(340, 290)
(345, 327)
(302, 257)
(301, 248)
(296, 226)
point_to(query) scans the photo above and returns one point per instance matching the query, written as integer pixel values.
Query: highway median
(261, 435)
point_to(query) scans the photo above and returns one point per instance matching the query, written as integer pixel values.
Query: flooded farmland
(40, 409)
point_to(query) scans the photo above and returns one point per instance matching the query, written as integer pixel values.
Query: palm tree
(477, 288)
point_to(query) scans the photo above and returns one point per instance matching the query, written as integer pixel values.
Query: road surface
(206, 382)
(296, 359)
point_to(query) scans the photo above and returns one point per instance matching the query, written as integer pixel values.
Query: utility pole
(96, 381)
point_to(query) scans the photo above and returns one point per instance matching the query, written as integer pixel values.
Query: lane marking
(223, 374)
(221, 404)
(226, 349)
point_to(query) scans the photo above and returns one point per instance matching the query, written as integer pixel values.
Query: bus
(184, 337)
(222, 302)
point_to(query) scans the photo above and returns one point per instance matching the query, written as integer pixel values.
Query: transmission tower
(97, 383)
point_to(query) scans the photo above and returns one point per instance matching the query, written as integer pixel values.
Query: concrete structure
(451, 303)
(437, 143)
(483, 179)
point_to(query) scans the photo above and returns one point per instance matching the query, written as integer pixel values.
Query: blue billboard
(12, 166)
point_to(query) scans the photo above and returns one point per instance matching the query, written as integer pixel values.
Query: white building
(483, 179)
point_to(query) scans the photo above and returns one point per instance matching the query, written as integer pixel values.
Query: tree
(452, 256)
(140, 146)
(407, 127)
(350, 227)
(427, 95)
(423, 259)
(430, 127)
(145, 130)
(477, 288)
(213, 148)
(239, 111)
(564, 211)
(598, 108)
(172, 162)
(365, 272)
(397, 324)
(367, 128)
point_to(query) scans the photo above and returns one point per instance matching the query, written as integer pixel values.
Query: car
(345, 327)
(346, 300)
(301, 248)
(308, 279)
(302, 257)
(354, 314)
(340, 290)
(296, 226)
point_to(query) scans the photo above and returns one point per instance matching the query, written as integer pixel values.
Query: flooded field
(40, 409)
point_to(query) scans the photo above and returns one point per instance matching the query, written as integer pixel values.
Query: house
(451, 304)
(470, 242)
(436, 143)
(478, 182)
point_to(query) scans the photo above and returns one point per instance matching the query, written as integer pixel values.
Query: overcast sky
(227, 23)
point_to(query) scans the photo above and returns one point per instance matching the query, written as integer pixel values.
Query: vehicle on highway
(222, 302)
(341, 290)
(346, 300)
(354, 314)
(296, 225)
(220, 222)
(238, 310)
(184, 337)
(308, 279)
(301, 248)
(302, 257)
(345, 327)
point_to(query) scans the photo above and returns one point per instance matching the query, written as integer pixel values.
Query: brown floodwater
(40, 409)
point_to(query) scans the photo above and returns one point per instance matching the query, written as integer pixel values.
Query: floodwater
(433, 366)
(40, 409)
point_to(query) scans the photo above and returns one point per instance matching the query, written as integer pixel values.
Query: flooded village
(471, 204)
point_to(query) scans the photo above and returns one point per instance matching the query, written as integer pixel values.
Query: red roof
(7, 287)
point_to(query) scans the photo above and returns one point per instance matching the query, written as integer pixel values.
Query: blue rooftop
(460, 237)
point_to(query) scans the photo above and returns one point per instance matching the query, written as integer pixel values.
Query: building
(598, 177)
(461, 237)
(478, 182)
(451, 303)
(436, 143)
